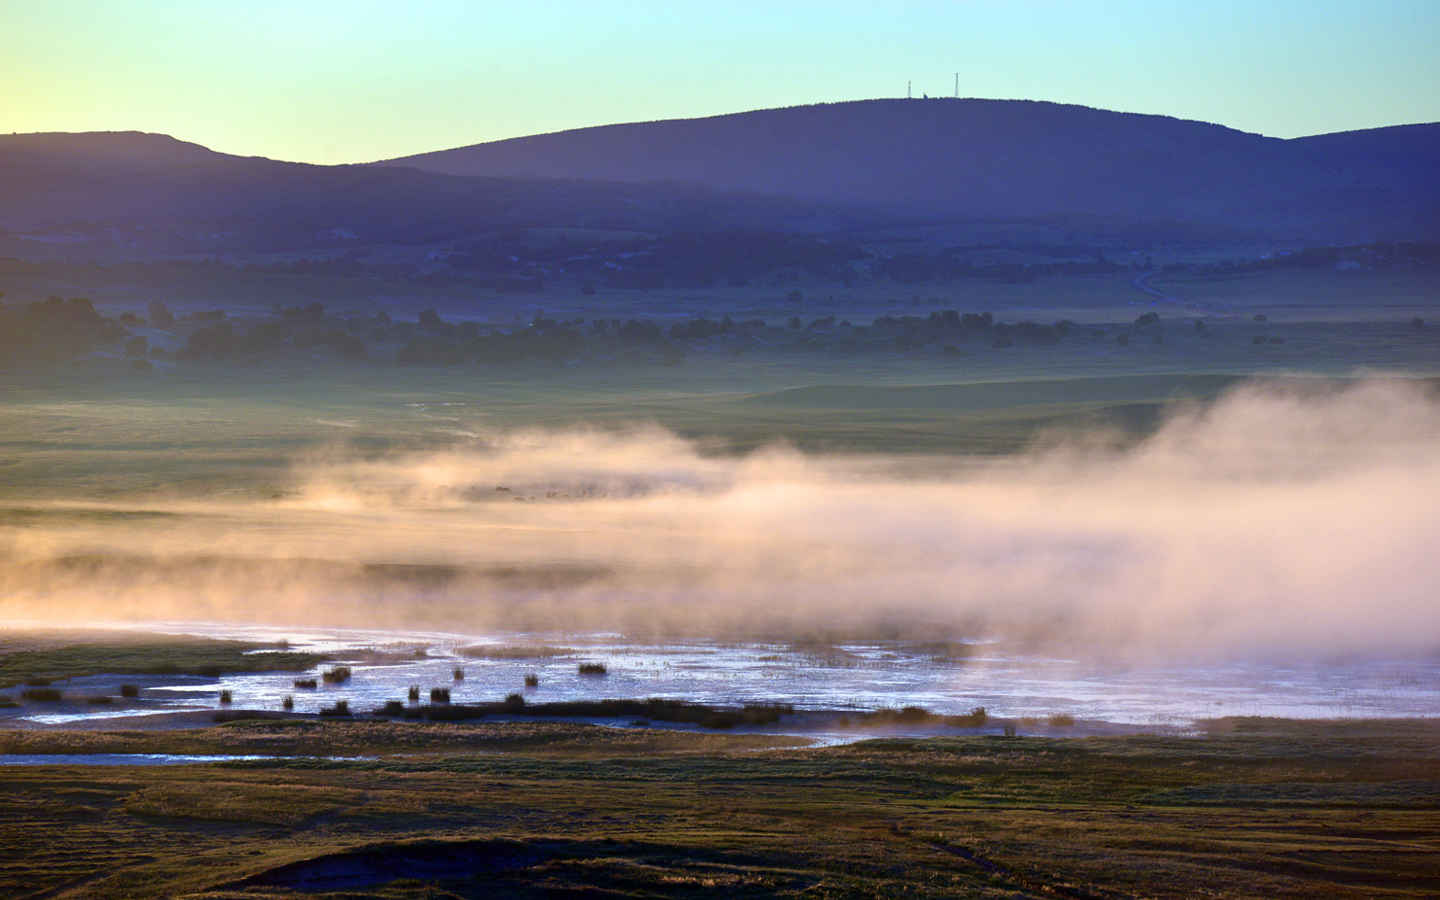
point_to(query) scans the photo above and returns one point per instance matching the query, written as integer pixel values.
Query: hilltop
(1014, 159)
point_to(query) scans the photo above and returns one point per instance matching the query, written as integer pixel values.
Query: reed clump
(655, 709)
(41, 695)
(288, 703)
(306, 684)
(129, 690)
(439, 695)
(341, 708)
(532, 680)
(225, 697)
(414, 693)
(336, 675)
(919, 715)
(592, 669)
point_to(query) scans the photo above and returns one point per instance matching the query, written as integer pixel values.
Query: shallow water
(846, 676)
(141, 759)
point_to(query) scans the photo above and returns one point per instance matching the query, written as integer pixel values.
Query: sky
(333, 81)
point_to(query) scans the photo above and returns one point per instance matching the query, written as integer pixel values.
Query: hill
(1016, 159)
(150, 192)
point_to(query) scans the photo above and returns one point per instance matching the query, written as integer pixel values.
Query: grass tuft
(341, 708)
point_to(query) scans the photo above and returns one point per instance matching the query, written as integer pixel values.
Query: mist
(1286, 519)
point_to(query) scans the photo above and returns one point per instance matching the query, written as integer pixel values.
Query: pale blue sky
(357, 80)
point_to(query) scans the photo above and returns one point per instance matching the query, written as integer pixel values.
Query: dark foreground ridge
(485, 868)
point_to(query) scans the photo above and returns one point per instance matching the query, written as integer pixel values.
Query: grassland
(1252, 808)
(52, 656)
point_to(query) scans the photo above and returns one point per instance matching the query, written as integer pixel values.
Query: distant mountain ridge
(820, 167)
(1002, 158)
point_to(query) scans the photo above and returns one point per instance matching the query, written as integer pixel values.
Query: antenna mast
(957, 85)
(907, 91)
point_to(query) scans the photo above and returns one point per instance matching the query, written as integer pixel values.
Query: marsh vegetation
(516, 802)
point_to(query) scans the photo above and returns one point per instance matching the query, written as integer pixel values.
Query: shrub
(459, 674)
(1062, 720)
(288, 703)
(337, 675)
(592, 669)
(129, 690)
(976, 718)
(341, 708)
(532, 680)
(41, 695)
(308, 684)
(225, 697)
(514, 701)
(439, 695)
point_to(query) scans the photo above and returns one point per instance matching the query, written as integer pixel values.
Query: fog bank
(1284, 519)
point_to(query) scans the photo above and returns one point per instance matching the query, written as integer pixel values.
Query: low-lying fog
(1289, 519)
